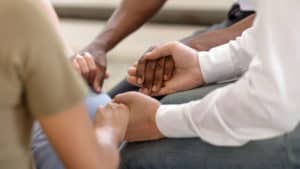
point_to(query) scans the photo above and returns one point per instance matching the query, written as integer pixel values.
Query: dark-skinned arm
(208, 40)
(128, 17)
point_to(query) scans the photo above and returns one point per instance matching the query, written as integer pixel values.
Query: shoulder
(28, 14)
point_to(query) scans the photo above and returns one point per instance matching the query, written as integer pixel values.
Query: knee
(93, 101)
(170, 99)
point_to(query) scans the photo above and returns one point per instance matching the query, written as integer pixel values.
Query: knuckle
(87, 54)
(100, 108)
(78, 56)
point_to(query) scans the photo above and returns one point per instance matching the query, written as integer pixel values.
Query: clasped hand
(166, 69)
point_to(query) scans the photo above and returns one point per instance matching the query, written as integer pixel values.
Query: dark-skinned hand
(151, 74)
(92, 68)
(187, 73)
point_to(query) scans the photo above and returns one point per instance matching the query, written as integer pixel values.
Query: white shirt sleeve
(228, 61)
(246, 5)
(264, 103)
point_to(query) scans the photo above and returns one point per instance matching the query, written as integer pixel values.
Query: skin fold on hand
(113, 118)
(186, 74)
(151, 74)
(142, 123)
(92, 69)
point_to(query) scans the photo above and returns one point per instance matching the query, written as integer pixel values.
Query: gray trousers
(276, 153)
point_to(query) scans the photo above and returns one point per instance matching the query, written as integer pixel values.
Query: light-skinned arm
(80, 144)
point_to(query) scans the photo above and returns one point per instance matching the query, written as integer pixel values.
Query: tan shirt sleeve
(51, 84)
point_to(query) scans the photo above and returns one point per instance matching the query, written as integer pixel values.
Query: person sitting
(250, 124)
(90, 62)
(38, 83)
(130, 16)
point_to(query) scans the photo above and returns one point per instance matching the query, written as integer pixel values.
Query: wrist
(197, 72)
(153, 124)
(95, 49)
(197, 45)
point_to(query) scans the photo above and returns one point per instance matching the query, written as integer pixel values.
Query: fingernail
(140, 81)
(165, 77)
(154, 88)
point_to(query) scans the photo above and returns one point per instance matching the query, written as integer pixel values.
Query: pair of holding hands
(166, 69)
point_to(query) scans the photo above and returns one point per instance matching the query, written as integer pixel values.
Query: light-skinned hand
(112, 119)
(187, 74)
(142, 125)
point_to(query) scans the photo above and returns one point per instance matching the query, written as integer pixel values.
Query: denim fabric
(43, 154)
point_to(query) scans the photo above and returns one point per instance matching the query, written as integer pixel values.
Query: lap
(194, 153)
(191, 95)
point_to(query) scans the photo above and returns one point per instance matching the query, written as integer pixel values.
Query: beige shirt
(36, 78)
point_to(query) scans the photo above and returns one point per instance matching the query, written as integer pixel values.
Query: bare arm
(128, 17)
(73, 137)
(208, 40)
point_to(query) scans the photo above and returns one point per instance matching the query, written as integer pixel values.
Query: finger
(135, 64)
(106, 75)
(140, 71)
(83, 66)
(145, 91)
(159, 75)
(122, 106)
(100, 112)
(162, 92)
(161, 51)
(126, 98)
(149, 75)
(100, 109)
(113, 105)
(169, 68)
(132, 80)
(132, 71)
(91, 66)
(76, 65)
(97, 83)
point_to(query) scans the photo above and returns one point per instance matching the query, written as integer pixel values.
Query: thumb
(161, 51)
(127, 98)
(97, 83)
(106, 75)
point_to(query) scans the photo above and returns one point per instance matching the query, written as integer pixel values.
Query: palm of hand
(187, 73)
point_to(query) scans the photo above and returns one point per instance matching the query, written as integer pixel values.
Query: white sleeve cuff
(216, 66)
(172, 121)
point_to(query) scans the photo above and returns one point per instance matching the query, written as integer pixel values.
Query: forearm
(128, 17)
(76, 145)
(211, 39)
